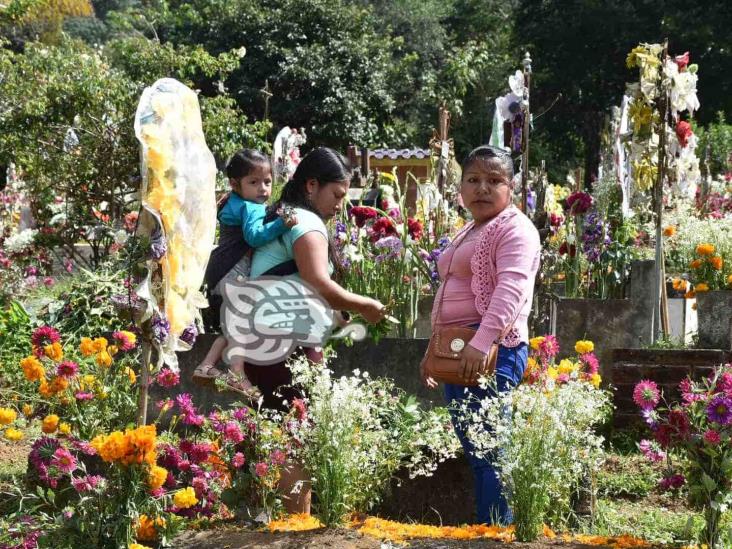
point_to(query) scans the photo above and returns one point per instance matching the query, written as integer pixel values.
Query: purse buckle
(457, 345)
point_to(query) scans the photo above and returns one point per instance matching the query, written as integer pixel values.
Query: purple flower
(67, 369)
(241, 414)
(87, 483)
(160, 328)
(443, 242)
(83, 395)
(189, 335)
(651, 452)
(719, 410)
(651, 418)
(594, 237)
(169, 456)
(158, 245)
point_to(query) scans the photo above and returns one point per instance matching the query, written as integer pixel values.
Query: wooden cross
(265, 91)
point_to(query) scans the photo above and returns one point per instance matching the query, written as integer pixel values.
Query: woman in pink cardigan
(492, 263)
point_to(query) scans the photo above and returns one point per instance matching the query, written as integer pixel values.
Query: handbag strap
(455, 244)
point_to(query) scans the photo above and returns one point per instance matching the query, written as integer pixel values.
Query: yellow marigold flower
(14, 434)
(104, 359)
(137, 546)
(729, 280)
(146, 530)
(50, 424)
(64, 428)
(567, 366)
(185, 498)
(112, 350)
(705, 249)
(7, 416)
(531, 364)
(27, 410)
(89, 379)
(695, 264)
(716, 262)
(99, 344)
(32, 368)
(701, 287)
(552, 372)
(583, 347)
(669, 231)
(596, 380)
(54, 351)
(86, 346)
(131, 374)
(157, 477)
(534, 342)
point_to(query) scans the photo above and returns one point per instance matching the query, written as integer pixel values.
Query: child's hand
(287, 213)
(290, 222)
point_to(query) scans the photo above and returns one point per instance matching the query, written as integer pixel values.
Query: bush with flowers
(542, 435)
(383, 254)
(694, 437)
(353, 434)
(709, 269)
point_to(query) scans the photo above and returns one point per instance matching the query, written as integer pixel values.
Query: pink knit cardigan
(504, 266)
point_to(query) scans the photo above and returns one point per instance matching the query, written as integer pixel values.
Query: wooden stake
(660, 299)
(144, 381)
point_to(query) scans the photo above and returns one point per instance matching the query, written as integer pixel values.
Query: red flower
(683, 132)
(362, 214)
(682, 61)
(382, 227)
(415, 228)
(555, 220)
(565, 249)
(679, 422)
(579, 202)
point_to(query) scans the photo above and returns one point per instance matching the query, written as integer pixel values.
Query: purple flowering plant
(694, 435)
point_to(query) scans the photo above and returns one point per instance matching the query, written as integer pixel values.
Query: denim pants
(491, 504)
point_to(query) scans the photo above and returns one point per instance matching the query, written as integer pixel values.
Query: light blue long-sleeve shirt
(250, 216)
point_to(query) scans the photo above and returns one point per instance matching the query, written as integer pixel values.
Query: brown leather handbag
(442, 361)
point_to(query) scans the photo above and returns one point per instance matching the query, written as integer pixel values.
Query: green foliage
(22, 21)
(66, 117)
(629, 477)
(715, 140)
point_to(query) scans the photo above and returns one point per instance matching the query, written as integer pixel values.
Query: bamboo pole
(527, 126)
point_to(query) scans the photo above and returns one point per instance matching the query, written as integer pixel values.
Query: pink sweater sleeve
(517, 260)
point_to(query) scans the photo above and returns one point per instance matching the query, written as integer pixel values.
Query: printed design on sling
(265, 319)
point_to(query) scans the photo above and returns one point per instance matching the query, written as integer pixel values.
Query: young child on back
(242, 228)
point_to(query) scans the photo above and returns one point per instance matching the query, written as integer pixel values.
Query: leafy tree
(27, 20)
(66, 121)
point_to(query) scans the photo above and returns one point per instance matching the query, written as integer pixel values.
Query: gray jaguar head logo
(265, 319)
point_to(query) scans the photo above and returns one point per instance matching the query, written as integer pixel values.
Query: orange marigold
(44, 388)
(701, 287)
(33, 369)
(54, 351)
(705, 249)
(146, 527)
(99, 344)
(716, 262)
(86, 346)
(680, 284)
(49, 423)
(695, 264)
(669, 231)
(58, 384)
(690, 294)
(729, 280)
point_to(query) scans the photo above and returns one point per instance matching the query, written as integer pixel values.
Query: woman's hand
(472, 363)
(372, 310)
(427, 381)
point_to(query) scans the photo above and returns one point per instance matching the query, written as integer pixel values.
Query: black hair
(243, 161)
(325, 166)
(322, 164)
(484, 152)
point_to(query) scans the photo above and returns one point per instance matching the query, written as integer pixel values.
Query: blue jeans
(490, 502)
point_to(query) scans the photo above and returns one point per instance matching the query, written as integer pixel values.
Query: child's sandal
(206, 374)
(236, 383)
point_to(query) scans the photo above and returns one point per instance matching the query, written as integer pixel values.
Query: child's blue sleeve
(256, 232)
